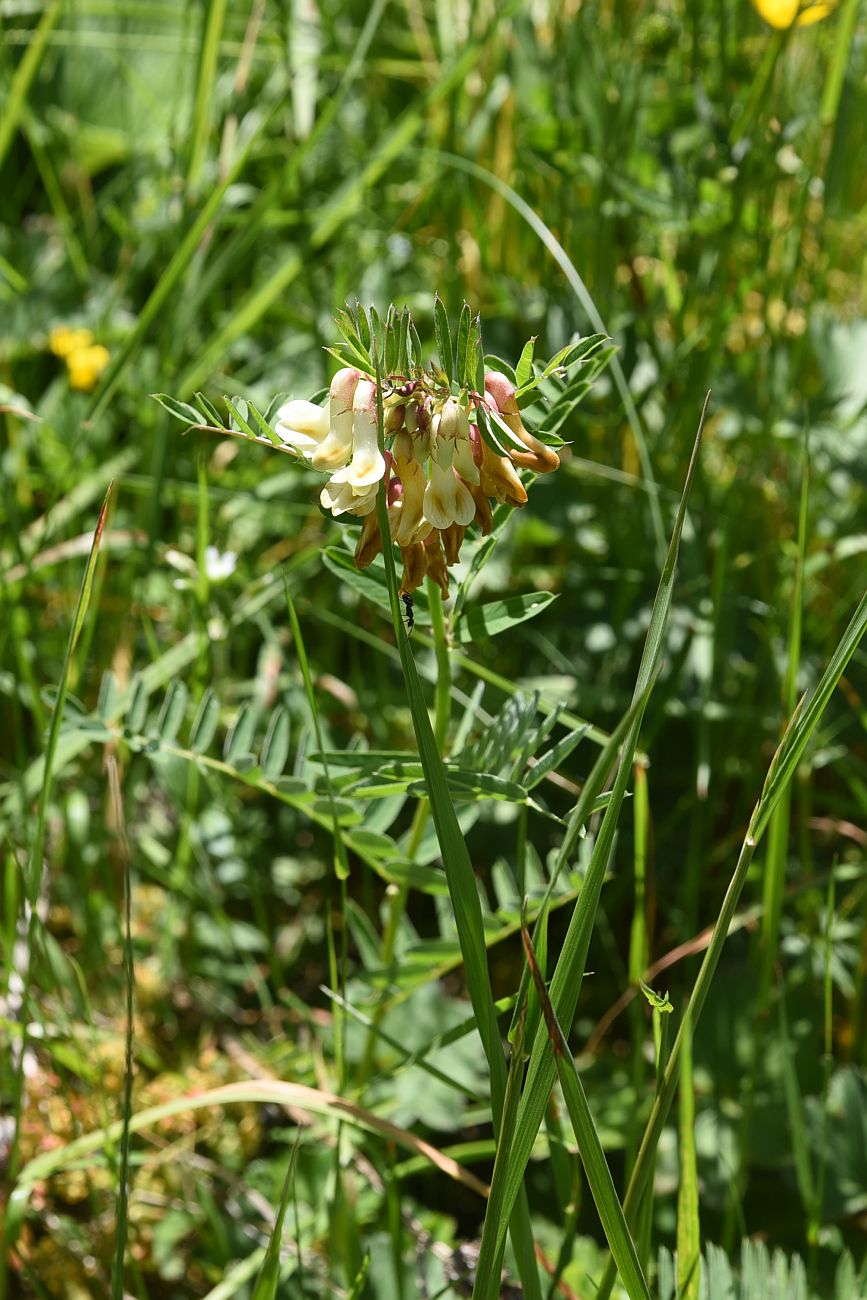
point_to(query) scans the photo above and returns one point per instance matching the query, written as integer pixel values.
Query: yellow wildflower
(85, 365)
(63, 340)
(783, 13)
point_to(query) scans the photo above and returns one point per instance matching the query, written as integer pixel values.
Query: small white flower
(220, 565)
(302, 425)
(342, 499)
(447, 499)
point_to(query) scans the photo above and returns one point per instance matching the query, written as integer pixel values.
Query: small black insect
(408, 612)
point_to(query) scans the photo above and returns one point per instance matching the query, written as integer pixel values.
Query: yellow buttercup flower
(85, 365)
(783, 13)
(63, 340)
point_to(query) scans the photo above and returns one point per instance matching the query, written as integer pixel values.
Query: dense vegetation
(233, 857)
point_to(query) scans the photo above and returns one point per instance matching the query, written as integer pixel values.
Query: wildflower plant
(444, 439)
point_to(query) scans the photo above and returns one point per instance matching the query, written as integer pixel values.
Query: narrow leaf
(239, 737)
(443, 338)
(205, 723)
(172, 712)
(275, 748)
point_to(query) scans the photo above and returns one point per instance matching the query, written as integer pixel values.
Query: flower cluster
(440, 471)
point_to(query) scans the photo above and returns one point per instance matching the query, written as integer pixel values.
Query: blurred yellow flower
(85, 365)
(64, 340)
(782, 13)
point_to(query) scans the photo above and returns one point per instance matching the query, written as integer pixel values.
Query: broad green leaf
(480, 621)
(210, 412)
(136, 713)
(524, 368)
(462, 348)
(552, 758)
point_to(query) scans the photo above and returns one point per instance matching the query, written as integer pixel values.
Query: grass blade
(25, 72)
(589, 1146)
(268, 1279)
(688, 1225)
(566, 983)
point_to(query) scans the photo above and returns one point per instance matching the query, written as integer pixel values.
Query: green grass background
(202, 186)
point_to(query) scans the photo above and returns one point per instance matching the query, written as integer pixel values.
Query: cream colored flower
(367, 465)
(335, 450)
(302, 425)
(342, 499)
(447, 498)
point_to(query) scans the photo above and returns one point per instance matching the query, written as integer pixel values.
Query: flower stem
(443, 689)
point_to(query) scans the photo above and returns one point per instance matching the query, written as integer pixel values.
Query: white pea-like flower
(335, 450)
(447, 499)
(367, 465)
(302, 425)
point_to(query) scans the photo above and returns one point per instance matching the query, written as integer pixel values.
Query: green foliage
(326, 831)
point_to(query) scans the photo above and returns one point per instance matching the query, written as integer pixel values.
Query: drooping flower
(447, 498)
(335, 449)
(538, 457)
(368, 464)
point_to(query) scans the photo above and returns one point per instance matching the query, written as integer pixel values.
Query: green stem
(443, 687)
(399, 895)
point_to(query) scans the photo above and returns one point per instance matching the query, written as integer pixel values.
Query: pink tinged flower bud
(302, 425)
(414, 568)
(368, 464)
(537, 457)
(447, 499)
(436, 563)
(369, 543)
(336, 449)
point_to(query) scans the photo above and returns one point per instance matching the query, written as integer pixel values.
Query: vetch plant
(444, 438)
